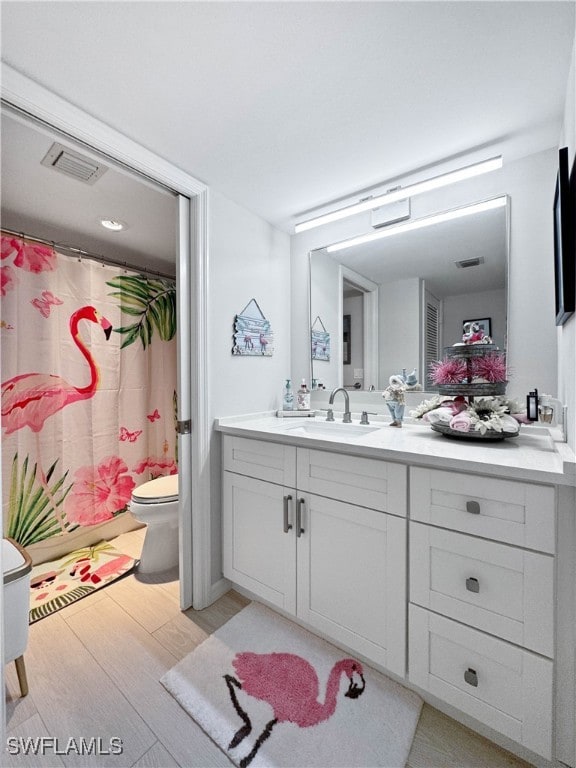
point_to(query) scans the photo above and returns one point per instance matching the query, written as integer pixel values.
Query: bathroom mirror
(407, 296)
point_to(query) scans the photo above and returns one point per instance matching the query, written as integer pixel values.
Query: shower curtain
(88, 372)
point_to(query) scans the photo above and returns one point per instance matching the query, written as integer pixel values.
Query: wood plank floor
(93, 670)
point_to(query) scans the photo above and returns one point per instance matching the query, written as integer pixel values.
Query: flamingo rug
(269, 694)
(58, 583)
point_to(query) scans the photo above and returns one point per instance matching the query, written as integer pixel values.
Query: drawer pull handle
(287, 525)
(299, 530)
(473, 507)
(471, 677)
(472, 584)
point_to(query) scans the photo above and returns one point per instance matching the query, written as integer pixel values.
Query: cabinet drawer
(503, 590)
(273, 462)
(514, 512)
(505, 687)
(370, 483)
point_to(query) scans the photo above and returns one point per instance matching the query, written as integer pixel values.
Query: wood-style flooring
(94, 669)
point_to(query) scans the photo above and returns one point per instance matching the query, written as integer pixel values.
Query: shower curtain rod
(89, 255)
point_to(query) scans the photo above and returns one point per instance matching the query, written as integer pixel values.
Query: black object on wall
(564, 239)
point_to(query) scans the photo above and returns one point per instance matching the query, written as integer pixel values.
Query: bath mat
(269, 693)
(58, 583)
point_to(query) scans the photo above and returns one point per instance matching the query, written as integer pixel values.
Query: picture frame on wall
(485, 324)
(564, 239)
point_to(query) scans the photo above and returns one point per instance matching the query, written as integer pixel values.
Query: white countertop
(533, 456)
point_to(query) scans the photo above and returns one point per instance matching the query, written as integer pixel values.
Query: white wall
(530, 184)
(248, 259)
(399, 324)
(474, 306)
(567, 333)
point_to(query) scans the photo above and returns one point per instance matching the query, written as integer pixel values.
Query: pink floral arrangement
(491, 367)
(452, 371)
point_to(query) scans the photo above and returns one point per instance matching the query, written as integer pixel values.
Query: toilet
(156, 504)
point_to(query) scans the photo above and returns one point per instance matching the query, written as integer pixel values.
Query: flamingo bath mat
(269, 693)
(58, 583)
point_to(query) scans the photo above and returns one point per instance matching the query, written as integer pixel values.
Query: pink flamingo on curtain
(290, 685)
(31, 398)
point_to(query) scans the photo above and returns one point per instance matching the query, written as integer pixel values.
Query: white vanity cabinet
(322, 536)
(482, 599)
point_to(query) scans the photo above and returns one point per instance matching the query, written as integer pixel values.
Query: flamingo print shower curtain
(88, 375)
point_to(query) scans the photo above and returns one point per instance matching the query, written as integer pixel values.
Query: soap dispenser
(288, 399)
(303, 398)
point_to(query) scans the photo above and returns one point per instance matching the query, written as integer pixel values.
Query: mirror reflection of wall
(425, 284)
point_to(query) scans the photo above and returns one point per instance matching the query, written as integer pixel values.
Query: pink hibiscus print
(158, 467)
(30, 256)
(8, 279)
(99, 492)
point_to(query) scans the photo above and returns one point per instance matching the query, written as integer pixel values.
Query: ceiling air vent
(465, 263)
(73, 164)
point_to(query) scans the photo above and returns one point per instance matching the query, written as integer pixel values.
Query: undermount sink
(334, 429)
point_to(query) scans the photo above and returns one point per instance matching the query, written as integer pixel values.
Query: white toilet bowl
(156, 504)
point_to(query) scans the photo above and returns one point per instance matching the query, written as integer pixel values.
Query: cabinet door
(258, 554)
(351, 578)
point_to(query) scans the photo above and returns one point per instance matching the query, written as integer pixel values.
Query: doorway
(40, 106)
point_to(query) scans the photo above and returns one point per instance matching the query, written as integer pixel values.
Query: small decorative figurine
(395, 400)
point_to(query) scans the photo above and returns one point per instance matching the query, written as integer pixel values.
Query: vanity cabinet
(464, 559)
(322, 536)
(482, 599)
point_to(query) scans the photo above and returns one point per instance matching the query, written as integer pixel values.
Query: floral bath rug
(58, 583)
(270, 693)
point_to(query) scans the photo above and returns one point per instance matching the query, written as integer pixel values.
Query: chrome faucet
(347, 415)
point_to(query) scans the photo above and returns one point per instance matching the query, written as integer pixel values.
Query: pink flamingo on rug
(290, 685)
(31, 398)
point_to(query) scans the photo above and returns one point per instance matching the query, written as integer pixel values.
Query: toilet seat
(159, 491)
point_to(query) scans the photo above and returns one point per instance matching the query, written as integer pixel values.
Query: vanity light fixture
(401, 193)
(426, 221)
(114, 225)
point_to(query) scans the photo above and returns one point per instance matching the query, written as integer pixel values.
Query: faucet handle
(329, 413)
(364, 416)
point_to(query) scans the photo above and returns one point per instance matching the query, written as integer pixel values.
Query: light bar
(426, 221)
(403, 192)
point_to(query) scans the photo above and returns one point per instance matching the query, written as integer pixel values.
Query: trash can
(16, 566)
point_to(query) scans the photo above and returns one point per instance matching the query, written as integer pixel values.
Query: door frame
(370, 317)
(37, 102)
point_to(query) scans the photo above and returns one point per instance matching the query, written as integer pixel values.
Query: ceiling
(285, 107)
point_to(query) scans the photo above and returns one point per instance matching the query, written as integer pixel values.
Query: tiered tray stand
(471, 390)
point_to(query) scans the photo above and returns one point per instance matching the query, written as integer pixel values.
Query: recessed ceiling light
(114, 225)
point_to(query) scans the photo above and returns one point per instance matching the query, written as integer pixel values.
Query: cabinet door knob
(287, 525)
(299, 530)
(472, 584)
(471, 677)
(473, 507)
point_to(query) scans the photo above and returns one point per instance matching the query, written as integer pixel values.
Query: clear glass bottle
(303, 397)
(288, 399)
